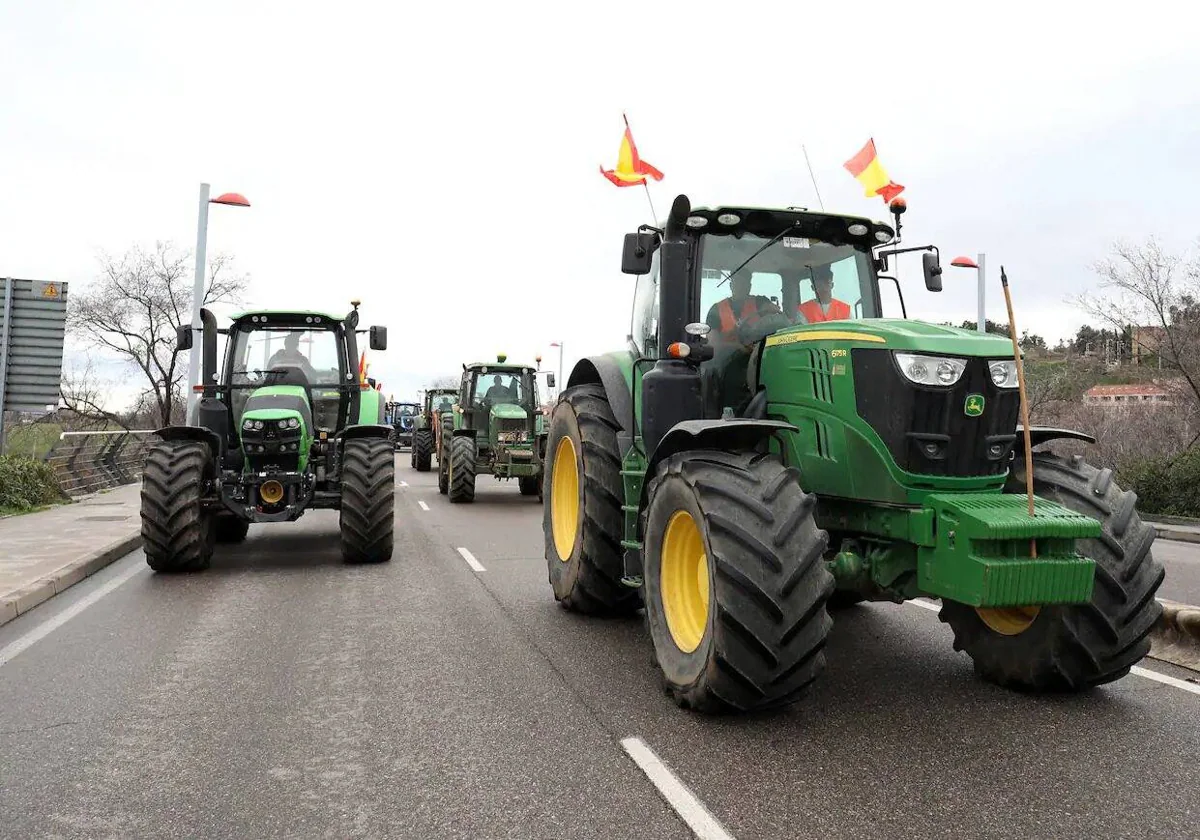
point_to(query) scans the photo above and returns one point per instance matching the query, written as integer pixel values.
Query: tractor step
(984, 547)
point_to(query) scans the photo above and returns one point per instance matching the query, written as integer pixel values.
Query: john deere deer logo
(974, 405)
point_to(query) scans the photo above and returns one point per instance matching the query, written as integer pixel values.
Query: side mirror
(183, 337)
(638, 253)
(550, 380)
(932, 270)
(378, 338)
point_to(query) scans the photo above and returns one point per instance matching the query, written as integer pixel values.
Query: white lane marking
(1141, 672)
(403, 483)
(471, 561)
(1163, 678)
(13, 649)
(423, 506)
(703, 824)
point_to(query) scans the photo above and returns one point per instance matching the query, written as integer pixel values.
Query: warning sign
(50, 290)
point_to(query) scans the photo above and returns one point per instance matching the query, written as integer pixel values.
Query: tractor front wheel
(422, 448)
(177, 533)
(1070, 648)
(462, 469)
(529, 484)
(368, 504)
(582, 520)
(736, 583)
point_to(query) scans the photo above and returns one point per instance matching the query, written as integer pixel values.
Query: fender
(605, 371)
(366, 430)
(1044, 434)
(198, 433)
(739, 434)
(464, 433)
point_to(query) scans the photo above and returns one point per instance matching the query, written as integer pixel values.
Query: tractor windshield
(806, 280)
(312, 352)
(499, 387)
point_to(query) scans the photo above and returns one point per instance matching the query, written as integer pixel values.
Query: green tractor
(496, 427)
(286, 427)
(438, 403)
(742, 484)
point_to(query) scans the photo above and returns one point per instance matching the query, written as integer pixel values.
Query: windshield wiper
(764, 247)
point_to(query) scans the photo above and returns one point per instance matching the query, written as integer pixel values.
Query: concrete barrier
(1176, 636)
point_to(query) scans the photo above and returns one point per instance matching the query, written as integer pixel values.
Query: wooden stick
(1012, 329)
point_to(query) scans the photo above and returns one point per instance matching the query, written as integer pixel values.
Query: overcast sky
(440, 160)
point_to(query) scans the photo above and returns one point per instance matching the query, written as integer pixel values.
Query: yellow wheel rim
(1008, 621)
(684, 585)
(271, 492)
(564, 498)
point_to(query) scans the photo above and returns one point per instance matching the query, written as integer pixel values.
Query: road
(1182, 562)
(284, 694)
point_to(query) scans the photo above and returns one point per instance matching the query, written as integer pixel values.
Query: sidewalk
(1175, 529)
(43, 553)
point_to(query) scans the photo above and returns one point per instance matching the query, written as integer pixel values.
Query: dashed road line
(402, 484)
(423, 506)
(690, 809)
(471, 561)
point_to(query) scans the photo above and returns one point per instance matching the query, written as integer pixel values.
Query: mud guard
(198, 433)
(366, 430)
(1044, 434)
(604, 371)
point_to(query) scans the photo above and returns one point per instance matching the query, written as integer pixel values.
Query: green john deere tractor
(747, 464)
(495, 427)
(286, 427)
(438, 402)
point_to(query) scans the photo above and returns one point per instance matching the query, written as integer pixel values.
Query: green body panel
(982, 552)
(370, 408)
(268, 414)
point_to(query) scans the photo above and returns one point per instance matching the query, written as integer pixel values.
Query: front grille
(512, 430)
(927, 429)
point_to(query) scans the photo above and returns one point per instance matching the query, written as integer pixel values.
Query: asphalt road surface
(1182, 562)
(284, 694)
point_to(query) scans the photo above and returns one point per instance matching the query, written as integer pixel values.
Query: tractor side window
(643, 328)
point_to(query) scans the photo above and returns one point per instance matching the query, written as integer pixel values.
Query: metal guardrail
(86, 462)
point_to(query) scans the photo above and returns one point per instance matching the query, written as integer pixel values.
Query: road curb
(1166, 532)
(29, 596)
(1176, 636)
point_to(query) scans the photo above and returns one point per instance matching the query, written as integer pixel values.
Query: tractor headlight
(930, 370)
(1003, 372)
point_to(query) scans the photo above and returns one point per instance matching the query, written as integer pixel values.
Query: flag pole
(814, 177)
(653, 215)
(1012, 329)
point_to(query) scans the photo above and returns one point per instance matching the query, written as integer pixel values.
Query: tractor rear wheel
(736, 582)
(582, 521)
(444, 460)
(230, 529)
(462, 469)
(177, 533)
(422, 449)
(1073, 647)
(529, 484)
(367, 515)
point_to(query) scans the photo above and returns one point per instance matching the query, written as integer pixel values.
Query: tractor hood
(508, 411)
(898, 334)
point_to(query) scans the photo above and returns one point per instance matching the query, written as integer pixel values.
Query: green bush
(1166, 486)
(26, 484)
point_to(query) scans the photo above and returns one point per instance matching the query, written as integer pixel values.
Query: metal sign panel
(33, 316)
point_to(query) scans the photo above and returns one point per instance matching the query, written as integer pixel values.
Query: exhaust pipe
(208, 366)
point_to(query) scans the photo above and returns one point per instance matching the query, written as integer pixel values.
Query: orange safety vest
(728, 321)
(811, 310)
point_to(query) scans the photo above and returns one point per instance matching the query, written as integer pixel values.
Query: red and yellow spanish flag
(631, 170)
(362, 368)
(865, 166)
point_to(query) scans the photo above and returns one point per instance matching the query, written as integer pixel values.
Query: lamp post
(967, 262)
(232, 200)
(559, 345)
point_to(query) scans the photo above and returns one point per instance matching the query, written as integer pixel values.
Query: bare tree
(1146, 286)
(82, 393)
(447, 381)
(134, 307)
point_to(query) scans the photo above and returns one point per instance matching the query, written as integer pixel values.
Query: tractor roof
(287, 317)
(499, 367)
(768, 221)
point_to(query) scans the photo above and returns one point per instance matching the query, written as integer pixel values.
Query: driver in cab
(741, 308)
(824, 307)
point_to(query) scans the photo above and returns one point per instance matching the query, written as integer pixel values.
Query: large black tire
(177, 534)
(529, 484)
(422, 449)
(1070, 648)
(230, 529)
(759, 641)
(444, 460)
(462, 469)
(368, 500)
(588, 578)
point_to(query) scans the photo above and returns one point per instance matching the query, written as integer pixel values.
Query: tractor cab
(499, 399)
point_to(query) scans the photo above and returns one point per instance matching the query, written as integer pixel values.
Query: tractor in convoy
(402, 417)
(286, 426)
(496, 427)
(751, 461)
(425, 441)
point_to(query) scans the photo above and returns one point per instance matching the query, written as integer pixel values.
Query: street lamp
(967, 262)
(231, 200)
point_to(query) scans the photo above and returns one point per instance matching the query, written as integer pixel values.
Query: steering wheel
(754, 331)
